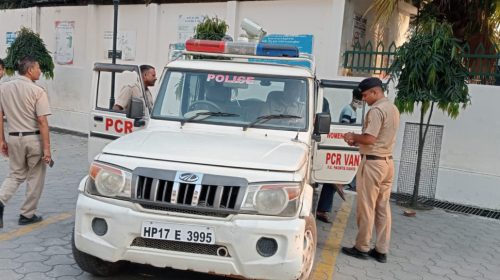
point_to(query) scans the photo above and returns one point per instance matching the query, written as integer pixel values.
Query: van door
(333, 160)
(106, 124)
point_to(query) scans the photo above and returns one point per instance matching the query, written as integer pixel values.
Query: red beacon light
(241, 48)
(210, 46)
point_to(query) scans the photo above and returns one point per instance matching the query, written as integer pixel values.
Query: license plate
(178, 232)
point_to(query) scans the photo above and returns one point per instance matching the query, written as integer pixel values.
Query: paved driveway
(433, 245)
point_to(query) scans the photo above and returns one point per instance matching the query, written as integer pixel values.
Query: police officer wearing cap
(376, 171)
(26, 107)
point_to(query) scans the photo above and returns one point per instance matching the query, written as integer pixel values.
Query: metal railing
(368, 59)
(483, 63)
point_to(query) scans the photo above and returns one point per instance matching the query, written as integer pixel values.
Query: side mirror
(322, 123)
(135, 109)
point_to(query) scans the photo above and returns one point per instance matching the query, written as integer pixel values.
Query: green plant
(429, 71)
(211, 29)
(28, 43)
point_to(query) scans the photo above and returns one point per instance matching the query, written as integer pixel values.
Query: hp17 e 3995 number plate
(178, 232)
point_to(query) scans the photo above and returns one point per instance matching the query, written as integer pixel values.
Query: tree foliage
(29, 43)
(474, 20)
(429, 70)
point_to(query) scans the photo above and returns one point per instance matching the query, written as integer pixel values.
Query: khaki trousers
(25, 160)
(373, 187)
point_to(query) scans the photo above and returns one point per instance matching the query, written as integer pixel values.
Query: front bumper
(238, 233)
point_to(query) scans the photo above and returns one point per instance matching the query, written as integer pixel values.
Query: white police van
(218, 177)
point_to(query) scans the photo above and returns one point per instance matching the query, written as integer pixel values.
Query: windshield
(245, 100)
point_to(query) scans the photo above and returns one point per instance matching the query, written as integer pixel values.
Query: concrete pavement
(433, 245)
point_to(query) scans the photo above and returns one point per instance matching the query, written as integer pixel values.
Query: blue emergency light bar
(241, 48)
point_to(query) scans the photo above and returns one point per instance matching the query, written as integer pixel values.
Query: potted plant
(211, 29)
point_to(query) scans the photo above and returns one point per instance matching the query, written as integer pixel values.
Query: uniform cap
(369, 83)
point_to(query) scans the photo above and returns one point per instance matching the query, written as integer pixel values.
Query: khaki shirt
(22, 101)
(382, 121)
(133, 90)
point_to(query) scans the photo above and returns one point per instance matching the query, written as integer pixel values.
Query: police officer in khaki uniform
(26, 107)
(148, 74)
(376, 172)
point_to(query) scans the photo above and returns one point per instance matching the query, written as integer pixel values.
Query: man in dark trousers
(26, 107)
(376, 171)
(347, 116)
(325, 201)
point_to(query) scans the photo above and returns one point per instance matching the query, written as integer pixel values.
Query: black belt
(24, 133)
(372, 157)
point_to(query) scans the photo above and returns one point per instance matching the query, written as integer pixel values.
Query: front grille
(201, 249)
(184, 192)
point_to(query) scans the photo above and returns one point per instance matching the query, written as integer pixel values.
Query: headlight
(273, 199)
(109, 180)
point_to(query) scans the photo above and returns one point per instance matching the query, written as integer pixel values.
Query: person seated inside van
(286, 102)
(219, 95)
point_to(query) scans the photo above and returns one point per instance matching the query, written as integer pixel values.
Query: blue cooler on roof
(277, 50)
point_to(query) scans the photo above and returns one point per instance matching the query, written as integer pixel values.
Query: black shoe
(322, 216)
(1, 214)
(381, 258)
(353, 252)
(26, 221)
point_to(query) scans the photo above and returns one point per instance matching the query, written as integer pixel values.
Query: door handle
(98, 118)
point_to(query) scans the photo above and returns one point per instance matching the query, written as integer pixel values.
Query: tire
(310, 239)
(93, 265)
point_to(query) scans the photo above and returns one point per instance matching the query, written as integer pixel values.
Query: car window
(123, 80)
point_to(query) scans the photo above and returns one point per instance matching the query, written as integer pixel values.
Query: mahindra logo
(188, 177)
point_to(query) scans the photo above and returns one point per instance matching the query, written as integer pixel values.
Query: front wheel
(93, 265)
(309, 248)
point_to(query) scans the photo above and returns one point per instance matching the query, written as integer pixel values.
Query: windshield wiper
(263, 119)
(208, 114)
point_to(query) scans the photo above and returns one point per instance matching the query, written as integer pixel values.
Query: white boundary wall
(156, 27)
(468, 170)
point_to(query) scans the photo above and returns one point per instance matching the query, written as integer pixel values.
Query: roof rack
(256, 58)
